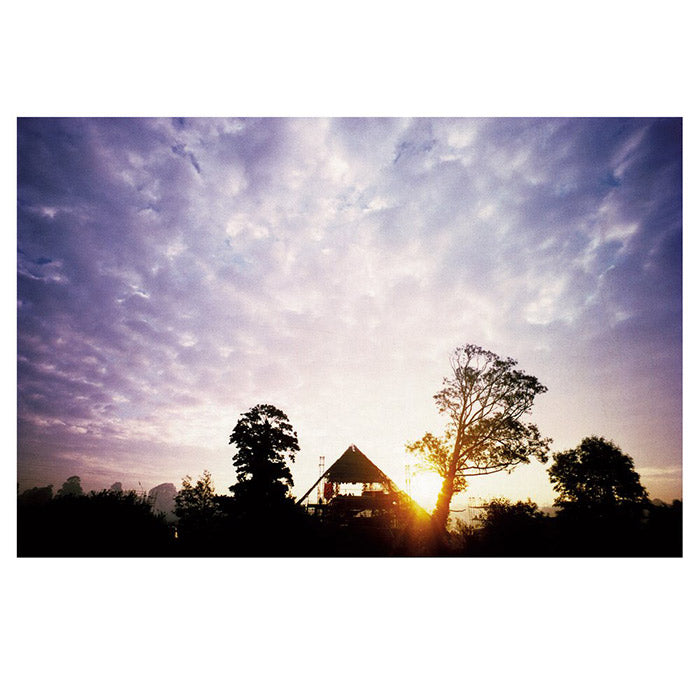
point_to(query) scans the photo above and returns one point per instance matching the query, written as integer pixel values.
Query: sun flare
(423, 488)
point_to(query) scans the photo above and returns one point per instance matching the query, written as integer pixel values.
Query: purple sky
(174, 273)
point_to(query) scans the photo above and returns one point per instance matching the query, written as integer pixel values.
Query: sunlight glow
(423, 487)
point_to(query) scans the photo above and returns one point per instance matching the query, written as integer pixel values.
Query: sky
(173, 273)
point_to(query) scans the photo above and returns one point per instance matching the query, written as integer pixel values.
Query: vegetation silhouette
(596, 477)
(264, 441)
(522, 530)
(71, 487)
(99, 524)
(262, 515)
(485, 400)
(36, 496)
(507, 529)
(198, 514)
(123, 524)
(602, 509)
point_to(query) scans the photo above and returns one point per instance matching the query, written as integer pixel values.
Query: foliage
(71, 487)
(485, 400)
(123, 524)
(195, 504)
(500, 510)
(201, 521)
(665, 529)
(38, 495)
(264, 441)
(597, 477)
(508, 529)
(99, 524)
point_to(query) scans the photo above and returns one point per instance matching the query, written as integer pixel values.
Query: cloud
(172, 273)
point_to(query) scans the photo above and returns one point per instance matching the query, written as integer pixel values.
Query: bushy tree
(485, 400)
(195, 503)
(509, 529)
(262, 516)
(596, 477)
(37, 495)
(501, 510)
(71, 487)
(264, 441)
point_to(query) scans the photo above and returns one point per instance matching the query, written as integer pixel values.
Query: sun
(423, 487)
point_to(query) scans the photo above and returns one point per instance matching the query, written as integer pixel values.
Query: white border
(415, 628)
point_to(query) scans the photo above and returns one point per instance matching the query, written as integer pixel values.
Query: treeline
(259, 518)
(106, 523)
(124, 524)
(602, 510)
(113, 524)
(522, 530)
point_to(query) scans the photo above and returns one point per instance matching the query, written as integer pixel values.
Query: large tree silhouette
(596, 476)
(485, 400)
(264, 440)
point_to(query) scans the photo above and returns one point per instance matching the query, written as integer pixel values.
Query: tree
(596, 477)
(509, 529)
(484, 399)
(71, 487)
(500, 511)
(36, 496)
(195, 504)
(264, 440)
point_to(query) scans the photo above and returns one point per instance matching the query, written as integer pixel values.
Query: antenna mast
(321, 469)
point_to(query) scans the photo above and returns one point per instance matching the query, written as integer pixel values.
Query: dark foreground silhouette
(107, 524)
(522, 530)
(111, 524)
(603, 510)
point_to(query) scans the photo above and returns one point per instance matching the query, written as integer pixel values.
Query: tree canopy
(508, 529)
(265, 441)
(71, 487)
(195, 504)
(596, 475)
(485, 400)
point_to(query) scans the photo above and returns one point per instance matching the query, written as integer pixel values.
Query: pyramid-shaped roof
(354, 467)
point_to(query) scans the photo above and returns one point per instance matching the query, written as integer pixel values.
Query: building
(355, 495)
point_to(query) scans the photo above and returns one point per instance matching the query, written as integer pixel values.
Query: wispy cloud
(172, 273)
